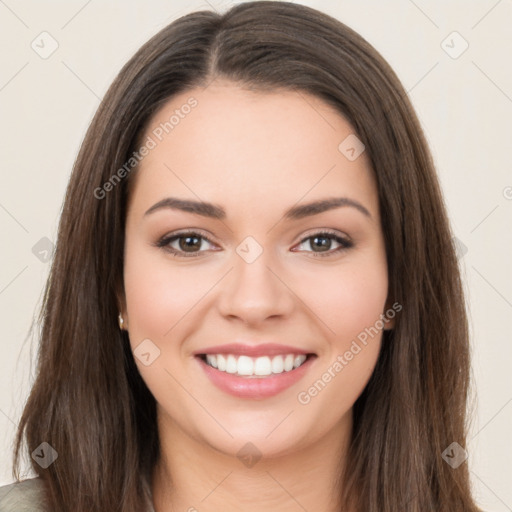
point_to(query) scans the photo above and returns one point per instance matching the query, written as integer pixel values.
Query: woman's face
(254, 266)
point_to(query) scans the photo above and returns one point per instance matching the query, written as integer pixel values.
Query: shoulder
(24, 496)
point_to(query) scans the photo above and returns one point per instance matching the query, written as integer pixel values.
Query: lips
(262, 349)
(255, 388)
(239, 378)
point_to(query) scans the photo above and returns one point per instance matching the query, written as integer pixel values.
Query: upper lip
(263, 349)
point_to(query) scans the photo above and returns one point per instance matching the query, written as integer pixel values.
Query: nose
(254, 292)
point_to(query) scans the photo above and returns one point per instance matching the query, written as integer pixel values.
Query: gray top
(25, 496)
(28, 496)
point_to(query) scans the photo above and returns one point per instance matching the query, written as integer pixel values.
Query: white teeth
(245, 365)
(221, 362)
(262, 365)
(255, 366)
(231, 366)
(277, 365)
(212, 361)
(298, 360)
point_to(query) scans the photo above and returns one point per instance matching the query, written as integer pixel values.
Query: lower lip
(255, 387)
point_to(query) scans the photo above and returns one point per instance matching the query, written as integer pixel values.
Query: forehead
(227, 143)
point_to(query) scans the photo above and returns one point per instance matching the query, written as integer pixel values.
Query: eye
(323, 241)
(187, 244)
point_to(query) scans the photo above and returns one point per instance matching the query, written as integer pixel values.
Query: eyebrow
(214, 211)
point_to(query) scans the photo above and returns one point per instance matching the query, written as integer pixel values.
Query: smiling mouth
(255, 367)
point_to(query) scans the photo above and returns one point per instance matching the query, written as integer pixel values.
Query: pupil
(185, 242)
(323, 246)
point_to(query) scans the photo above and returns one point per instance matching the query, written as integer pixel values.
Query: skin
(255, 154)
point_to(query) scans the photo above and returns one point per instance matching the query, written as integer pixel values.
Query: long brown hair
(88, 400)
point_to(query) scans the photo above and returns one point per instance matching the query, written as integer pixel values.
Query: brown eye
(189, 243)
(321, 244)
(183, 244)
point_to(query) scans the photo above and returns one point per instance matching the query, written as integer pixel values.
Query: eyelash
(166, 240)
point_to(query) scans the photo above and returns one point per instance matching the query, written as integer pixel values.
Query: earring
(121, 322)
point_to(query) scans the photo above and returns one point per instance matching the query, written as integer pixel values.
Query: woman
(255, 300)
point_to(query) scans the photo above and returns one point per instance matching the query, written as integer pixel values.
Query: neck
(192, 476)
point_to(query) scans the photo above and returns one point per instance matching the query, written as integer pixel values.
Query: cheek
(158, 294)
(351, 308)
(360, 299)
(348, 300)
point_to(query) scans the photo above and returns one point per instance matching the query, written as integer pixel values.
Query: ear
(389, 315)
(121, 307)
(389, 324)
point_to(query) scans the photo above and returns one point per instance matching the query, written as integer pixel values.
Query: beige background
(464, 104)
